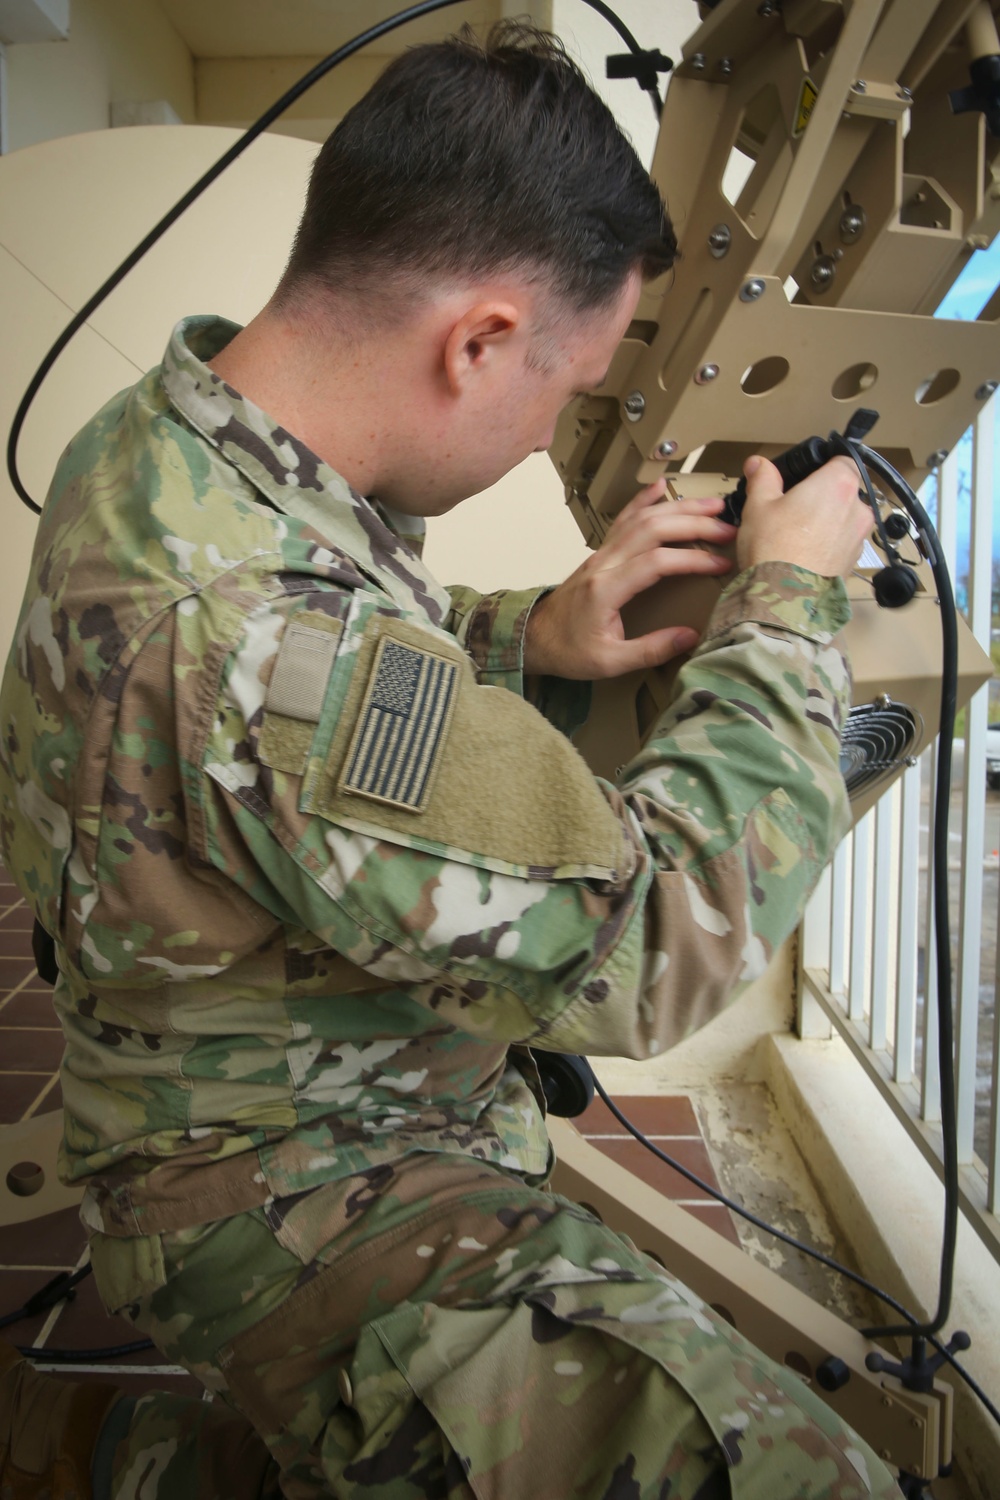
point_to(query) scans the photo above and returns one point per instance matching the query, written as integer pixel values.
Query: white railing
(867, 952)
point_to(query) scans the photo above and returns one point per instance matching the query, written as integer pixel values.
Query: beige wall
(117, 50)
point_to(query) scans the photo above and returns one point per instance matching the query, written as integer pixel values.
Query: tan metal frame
(800, 294)
(908, 1429)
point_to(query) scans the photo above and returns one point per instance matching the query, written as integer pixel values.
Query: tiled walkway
(33, 1252)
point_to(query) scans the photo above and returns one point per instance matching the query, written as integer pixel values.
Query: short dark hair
(471, 156)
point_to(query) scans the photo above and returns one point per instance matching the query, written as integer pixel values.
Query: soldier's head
(468, 158)
(476, 233)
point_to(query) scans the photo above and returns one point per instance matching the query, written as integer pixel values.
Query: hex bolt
(706, 374)
(937, 458)
(719, 240)
(753, 289)
(666, 449)
(634, 405)
(725, 66)
(698, 62)
(984, 391)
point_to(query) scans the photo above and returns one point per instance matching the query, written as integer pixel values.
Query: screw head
(753, 289)
(767, 8)
(706, 374)
(666, 449)
(634, 405)
(903, 92)
(984, 391)
(719, 240)
(937, 458)
(698, 62)
(852, 223)
(725, 66)
(823, 270)
(859, 86)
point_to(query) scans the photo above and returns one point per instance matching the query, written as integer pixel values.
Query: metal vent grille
(878, 739)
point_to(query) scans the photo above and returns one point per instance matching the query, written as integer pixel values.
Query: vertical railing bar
(878, 1011)
(970, 928)
(904, 1044)
(993, 1150)
(838, 915)
(858, 960)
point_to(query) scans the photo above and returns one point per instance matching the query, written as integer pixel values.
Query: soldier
(321, 862)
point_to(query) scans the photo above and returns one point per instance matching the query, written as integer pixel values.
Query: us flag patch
(402, 725)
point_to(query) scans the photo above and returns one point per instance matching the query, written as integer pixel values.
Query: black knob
(567, 1081)
(895, 585)
(832, 1374)
(897, 525)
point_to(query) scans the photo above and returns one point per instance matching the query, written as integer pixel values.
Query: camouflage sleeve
(491, 627)
(441, 835)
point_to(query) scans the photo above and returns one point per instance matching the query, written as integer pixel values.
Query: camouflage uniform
(319, 864)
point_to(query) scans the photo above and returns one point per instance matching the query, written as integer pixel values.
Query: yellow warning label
(807, 98)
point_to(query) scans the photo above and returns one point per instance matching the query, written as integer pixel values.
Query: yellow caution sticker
(807, 98)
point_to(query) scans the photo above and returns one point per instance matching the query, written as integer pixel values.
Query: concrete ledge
(886, 1203)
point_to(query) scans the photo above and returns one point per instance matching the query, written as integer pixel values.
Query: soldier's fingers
(641, 572)
(668, 525)
(654, 649)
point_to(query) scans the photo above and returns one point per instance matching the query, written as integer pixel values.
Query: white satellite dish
(70, 211)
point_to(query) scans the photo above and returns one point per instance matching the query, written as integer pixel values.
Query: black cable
(83, 1356)
(630, 42)
(840, 443)
(53, 1292)
(59, 1289)
(789, 1239)
(333, 60)
(745, 1213)
(942, 931)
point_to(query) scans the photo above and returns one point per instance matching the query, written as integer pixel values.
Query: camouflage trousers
(440, 1328)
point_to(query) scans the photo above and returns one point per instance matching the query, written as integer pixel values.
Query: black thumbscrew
(895, 585)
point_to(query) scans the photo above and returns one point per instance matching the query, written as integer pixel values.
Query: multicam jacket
(312, 860)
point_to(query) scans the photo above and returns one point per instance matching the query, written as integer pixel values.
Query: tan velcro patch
(506, 790)
(298, 681)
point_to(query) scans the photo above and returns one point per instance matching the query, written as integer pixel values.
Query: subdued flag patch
(402, 726)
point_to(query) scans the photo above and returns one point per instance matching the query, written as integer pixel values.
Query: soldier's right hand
(819, 524)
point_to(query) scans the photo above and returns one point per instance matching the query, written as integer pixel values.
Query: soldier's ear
(480, 339)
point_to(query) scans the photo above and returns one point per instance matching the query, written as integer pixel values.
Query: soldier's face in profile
(513, 412)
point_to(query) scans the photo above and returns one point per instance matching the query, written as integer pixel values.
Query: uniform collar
(289, 474)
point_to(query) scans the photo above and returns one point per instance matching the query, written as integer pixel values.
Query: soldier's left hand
(576, 631)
